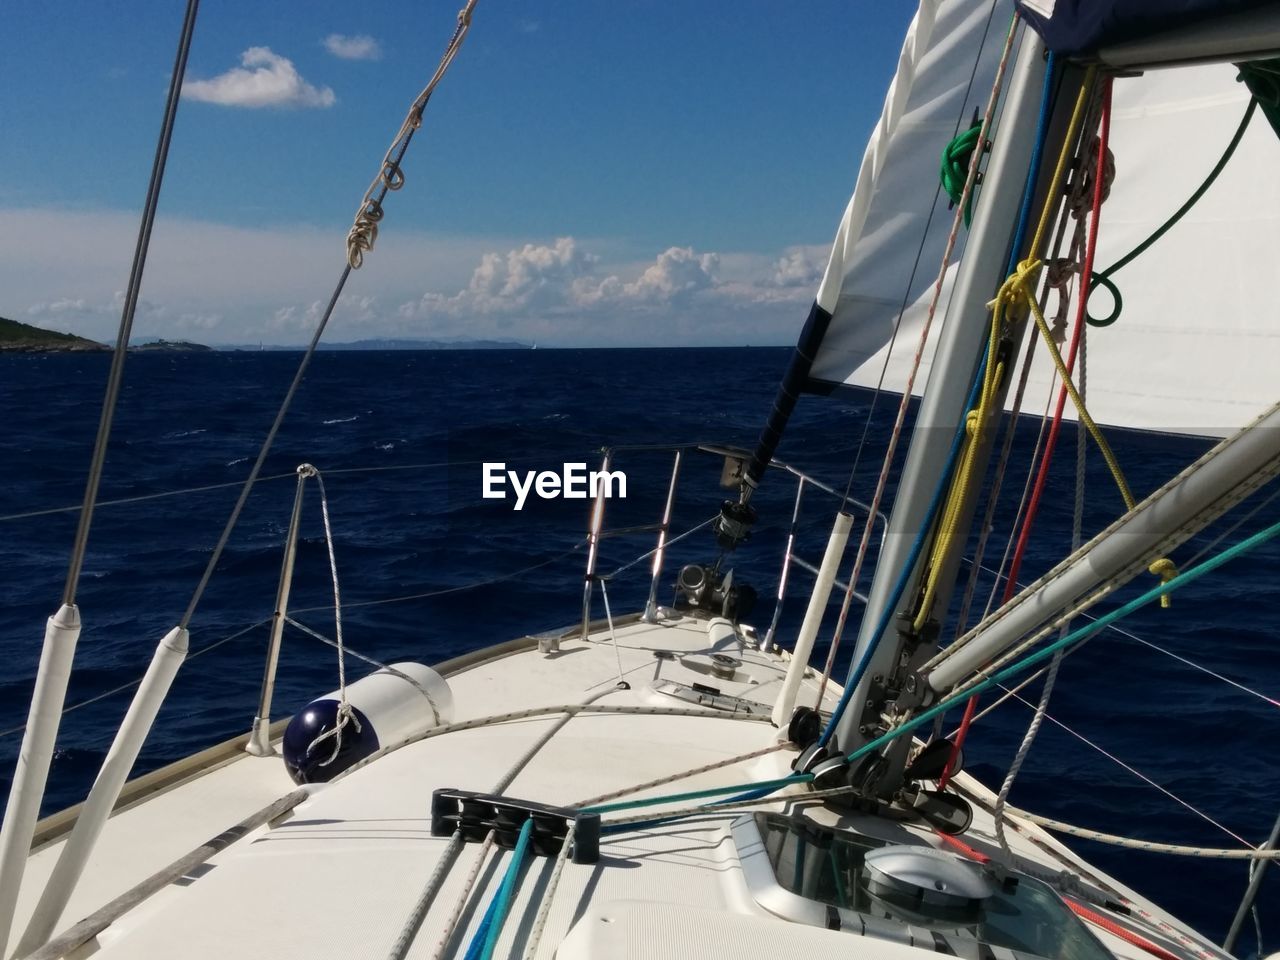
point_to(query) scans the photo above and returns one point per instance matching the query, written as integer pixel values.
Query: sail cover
(1197, 346)
(1080, 26)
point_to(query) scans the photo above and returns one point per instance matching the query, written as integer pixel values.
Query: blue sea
(430, 569)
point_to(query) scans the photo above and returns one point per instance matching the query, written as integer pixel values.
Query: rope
(142, 498)
(125, 329)
(1103, 279)
(400, 949)
(514, 715)
(1128, 768)
(719, 809)
(1106, 923)
(924, 236)
(1150, 846)
(364, 231)
(883, 480)
(645, 556)
(378, 664)
(371, 209)
(451, 922)
(502, 902)
(1028, 519)
(682, 775)
(345, 714)
(474, 585)
(544, 908)
(957, 157)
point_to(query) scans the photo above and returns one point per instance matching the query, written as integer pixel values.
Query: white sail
(896, 224)
(1178, 359)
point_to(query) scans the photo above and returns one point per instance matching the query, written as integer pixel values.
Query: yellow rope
(1018, 287)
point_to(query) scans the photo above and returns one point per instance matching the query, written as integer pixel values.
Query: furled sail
(895, 226)
(886, 255)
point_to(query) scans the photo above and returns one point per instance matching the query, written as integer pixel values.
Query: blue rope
(486, 936)
(917, 547)
(1019, 237)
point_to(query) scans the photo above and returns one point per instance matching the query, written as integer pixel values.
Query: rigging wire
(203, 488)
(965, 196)
(360, 239)
(883, 480)
(116, 376)
(1046, 457)
(89, 701)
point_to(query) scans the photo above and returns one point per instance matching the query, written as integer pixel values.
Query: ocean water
(430, 569)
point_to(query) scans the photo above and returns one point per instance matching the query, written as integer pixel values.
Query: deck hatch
(802, 870)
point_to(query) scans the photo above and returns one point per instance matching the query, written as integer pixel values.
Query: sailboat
(679, 780)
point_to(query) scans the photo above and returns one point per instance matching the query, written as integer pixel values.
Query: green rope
(956, 157)
(1103, 279)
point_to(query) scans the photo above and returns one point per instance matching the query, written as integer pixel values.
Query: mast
(945, 402)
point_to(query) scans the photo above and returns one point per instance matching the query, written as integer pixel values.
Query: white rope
(514, 715)
(345, 714)
(412, 681)
(460, 904)
(1269, 700)
(544, 907)
(728, 807)
(1077, 535)
(400, 948)
(364, 231)
(1149, 845)
(682, 775)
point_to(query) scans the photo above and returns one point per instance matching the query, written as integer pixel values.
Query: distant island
(393, 343)
(17, 337)
(170, 346)
(384, 343)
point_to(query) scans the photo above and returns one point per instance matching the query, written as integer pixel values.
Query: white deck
(337, 878)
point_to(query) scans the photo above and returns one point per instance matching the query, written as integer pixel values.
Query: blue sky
(588, 173)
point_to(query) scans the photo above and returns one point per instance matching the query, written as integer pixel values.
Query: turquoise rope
(1021, 666)
(1075, 637)
(491, 927)
(696, 794)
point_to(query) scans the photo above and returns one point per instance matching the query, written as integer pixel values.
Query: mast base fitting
(733, 526)
(805, 727)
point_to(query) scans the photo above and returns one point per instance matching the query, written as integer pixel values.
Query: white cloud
(264, 79)
(55, 307)
(219, 283)
(358, 46)
(800, 267)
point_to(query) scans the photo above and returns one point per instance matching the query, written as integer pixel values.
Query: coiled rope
(1103, 279)
(957, 158)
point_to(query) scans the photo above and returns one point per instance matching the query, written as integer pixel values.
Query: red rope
(1124, 933)
(1079, 909)
(1024, 534)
